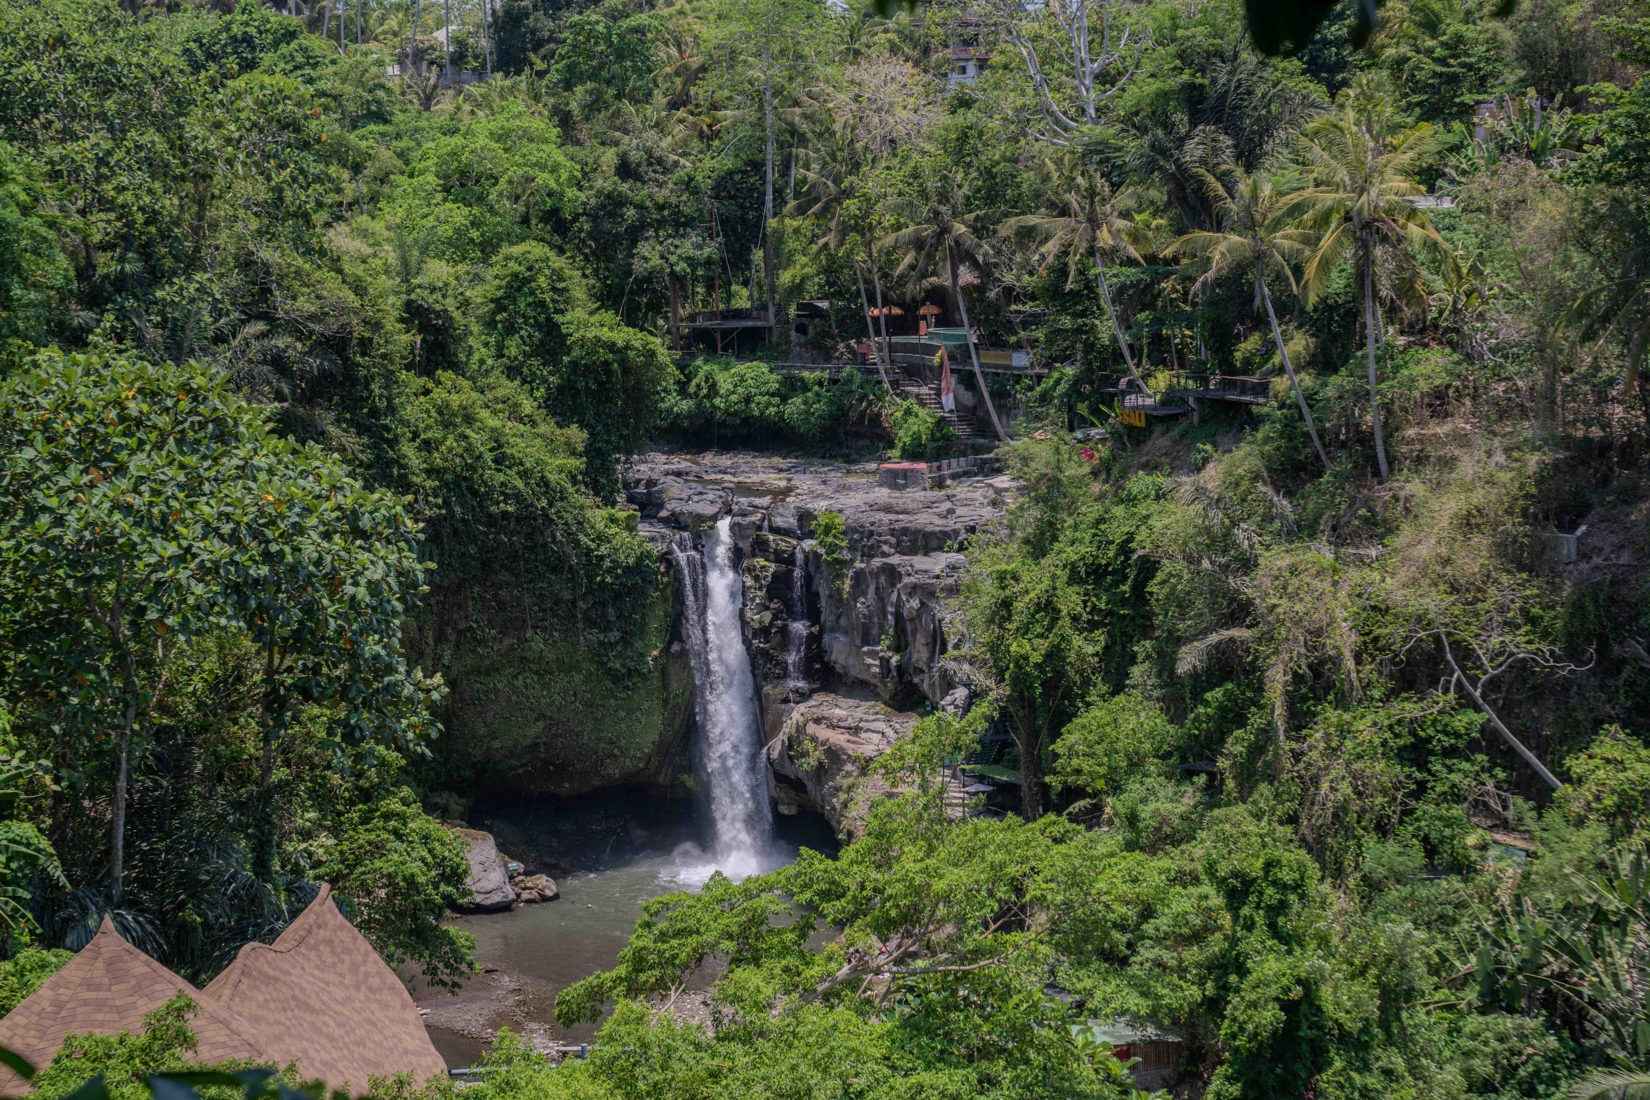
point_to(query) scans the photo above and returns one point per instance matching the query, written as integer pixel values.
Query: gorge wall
(842, 669)
(533, 708)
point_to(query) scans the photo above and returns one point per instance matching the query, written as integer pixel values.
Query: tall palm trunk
(412, 38)
(767, 201)
(1283, 353)
(1369, 344)
(870, 329)
(968, 338)
(1116, 325)
(117, 815)
(447, 42)
(882, 313)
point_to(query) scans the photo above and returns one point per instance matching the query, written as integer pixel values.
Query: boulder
(535, 888)
(489, 880)
(820, 759)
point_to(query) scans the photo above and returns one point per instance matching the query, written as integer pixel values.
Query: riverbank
(609, 852)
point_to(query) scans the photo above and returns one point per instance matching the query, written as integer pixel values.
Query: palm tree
(1250, 233)
(940, 232)
(831, 168)
(1363, 165)
(1096, 222)
(1612, 1084)
(681, 64)
(1619, 302)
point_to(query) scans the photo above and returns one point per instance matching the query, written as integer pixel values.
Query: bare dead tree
(1490, 651)
(1078, 54)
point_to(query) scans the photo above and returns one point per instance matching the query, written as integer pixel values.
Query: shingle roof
(109, 987)
(321, 996)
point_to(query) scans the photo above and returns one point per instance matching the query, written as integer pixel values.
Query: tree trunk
(1283, 353)
(968, 338)
(447, 42)
(1369, 343)
(1506, 734)
(117, 817)
(675, 315)
(1116, 325)
(412, 38)
(882, 313)
(1031, 778)
(358, 4)
(870, 330)
(486, 34)
(767, 200)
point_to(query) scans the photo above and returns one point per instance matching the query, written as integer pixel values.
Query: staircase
(927, 394)
(959, 804)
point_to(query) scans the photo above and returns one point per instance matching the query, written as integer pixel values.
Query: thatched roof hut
(318, 996)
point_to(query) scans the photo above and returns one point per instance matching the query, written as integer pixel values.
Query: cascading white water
(796, 631)
(729, 748)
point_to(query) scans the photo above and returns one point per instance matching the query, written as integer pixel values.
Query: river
(610, 852)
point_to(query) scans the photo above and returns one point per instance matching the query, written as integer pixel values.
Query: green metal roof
(1121, 1031)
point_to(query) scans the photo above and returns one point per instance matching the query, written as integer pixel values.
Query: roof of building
(323, 998)
(1120, 1030)
(109, 987)
(318, 996)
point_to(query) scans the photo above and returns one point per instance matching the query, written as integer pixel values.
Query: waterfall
(796, 631)
(730, 746)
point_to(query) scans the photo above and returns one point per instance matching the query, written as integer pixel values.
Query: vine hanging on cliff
(831, 537)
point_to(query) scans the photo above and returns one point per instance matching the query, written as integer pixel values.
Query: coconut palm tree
(1250, 233)
(942, 232)
(831, 167)
(1363, 163)
(1612, 1084)
(1095, 221)
(1620, 302)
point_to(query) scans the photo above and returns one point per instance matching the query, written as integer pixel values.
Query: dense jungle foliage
(1333, 748)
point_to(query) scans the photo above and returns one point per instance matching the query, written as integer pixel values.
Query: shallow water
(546, 947)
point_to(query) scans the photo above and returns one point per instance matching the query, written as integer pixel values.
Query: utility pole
(487, 36)
(447, 42)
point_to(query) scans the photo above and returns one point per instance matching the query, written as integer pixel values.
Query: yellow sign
(1134, 418)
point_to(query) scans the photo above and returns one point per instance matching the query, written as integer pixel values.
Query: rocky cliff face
(820, 758)
(533, 708)
(822, 651)
(888, 626)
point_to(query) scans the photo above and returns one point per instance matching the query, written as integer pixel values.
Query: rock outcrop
(820, 759)
(535, 888)
(489, 880)
(889, 623)
(825, 643)
(532, 708)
